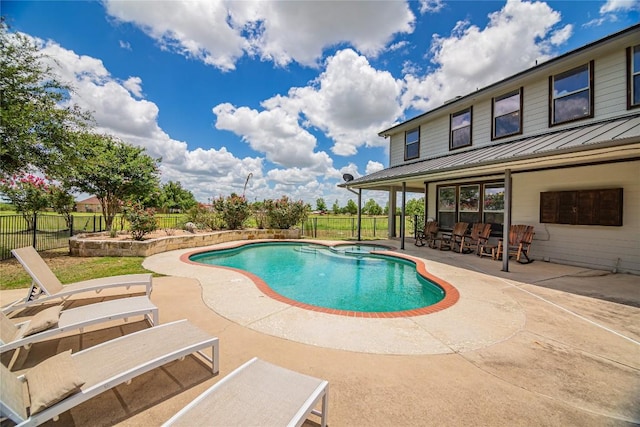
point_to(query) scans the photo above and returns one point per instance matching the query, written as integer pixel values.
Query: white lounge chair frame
(46, 286)
(82, 317)
(257, 393)
(117, 361)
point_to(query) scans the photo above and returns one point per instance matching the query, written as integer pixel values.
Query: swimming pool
(345, 278)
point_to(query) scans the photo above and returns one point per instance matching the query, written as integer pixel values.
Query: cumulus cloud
(349, 102)
(116, 111)
(220, 32)
(472, 57)
(373, 167)
(431, 6)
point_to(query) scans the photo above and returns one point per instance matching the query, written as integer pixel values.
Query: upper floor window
(412, 144)
(633, 77)
(460, 129)
(507, 114)
(571, 95)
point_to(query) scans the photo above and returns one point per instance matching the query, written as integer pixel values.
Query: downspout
(507, 220)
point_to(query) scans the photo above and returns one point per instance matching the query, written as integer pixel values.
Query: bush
(234, 210)
(141, 221)
(284, 213)
(203, 217)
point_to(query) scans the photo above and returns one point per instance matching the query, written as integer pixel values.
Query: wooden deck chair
(52, 321)
(520, 240)
(479, 236)
(257, 393)
(66, 380)
(428, 235)
(448, 241)
(45, 285)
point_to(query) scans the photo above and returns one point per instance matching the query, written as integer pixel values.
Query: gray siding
(596, 247)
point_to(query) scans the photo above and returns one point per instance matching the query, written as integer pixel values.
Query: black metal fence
(44, 231)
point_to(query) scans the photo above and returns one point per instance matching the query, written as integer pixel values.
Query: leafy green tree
(173, 196)
(35, 128)
(336, 207)
(415, 207)
(62, 202)
(112, 170)
(371, 207)
(351, 207)
(321, 205)
(28, 194)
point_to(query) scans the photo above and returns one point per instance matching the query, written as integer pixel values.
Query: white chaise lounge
(52, 321)
(45, 285)
(257, 393)
(66, 380)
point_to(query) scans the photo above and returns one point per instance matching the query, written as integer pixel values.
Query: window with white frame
(460, 129)
(633, 77)
(507, 114)
(571, 94)
(412, 144)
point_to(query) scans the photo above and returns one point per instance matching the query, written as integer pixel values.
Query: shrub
(234, 210)
(28, 194)
(141, 221)
(284, 213)
(260, 214)
(203, 217)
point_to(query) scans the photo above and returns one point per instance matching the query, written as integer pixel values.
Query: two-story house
(556, 146)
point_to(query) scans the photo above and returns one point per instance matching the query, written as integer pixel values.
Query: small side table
(487, 250)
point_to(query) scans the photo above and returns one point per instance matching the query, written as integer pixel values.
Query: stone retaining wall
(80, 245)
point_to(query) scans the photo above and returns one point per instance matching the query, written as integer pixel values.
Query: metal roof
(621, 131)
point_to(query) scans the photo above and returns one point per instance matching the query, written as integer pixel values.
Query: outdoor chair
(257, 393)
(46, 286)
(66, 380)
(520, 240)
(428, 235)
(448, 241)
(478, 237)
(52, 321)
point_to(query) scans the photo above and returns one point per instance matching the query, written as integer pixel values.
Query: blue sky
(292, 93)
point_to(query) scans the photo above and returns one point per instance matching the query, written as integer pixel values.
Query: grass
(70, 269)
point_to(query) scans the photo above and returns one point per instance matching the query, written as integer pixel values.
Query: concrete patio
(543, 344)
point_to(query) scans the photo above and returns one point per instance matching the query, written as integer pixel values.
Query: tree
(415, 207)
(321, 205)
(351, 207)
(336, 207)
(173, 196)
(285, 213)
(28, 194)
(234, 210)
(112, 170)
(62, 202)
(34, 128)
(371, 207)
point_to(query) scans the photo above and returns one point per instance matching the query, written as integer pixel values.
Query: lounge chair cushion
(52, 380)
(43, 320)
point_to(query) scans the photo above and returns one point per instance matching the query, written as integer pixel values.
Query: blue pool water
(343, 278)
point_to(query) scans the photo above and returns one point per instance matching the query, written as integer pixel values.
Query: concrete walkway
(519, 348)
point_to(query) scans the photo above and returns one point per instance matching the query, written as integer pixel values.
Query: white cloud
(373, 167)
(125, 45)
(220, 32)
(431, 6)
(472, 57)
(619, 6)
(350, 102)
(207, 173)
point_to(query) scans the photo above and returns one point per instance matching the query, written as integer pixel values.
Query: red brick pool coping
(451, 294)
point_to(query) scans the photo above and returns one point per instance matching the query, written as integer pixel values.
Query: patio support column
(359, 213)
(392, 212)
(507, 220)
(426, 201)
(403, 214)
